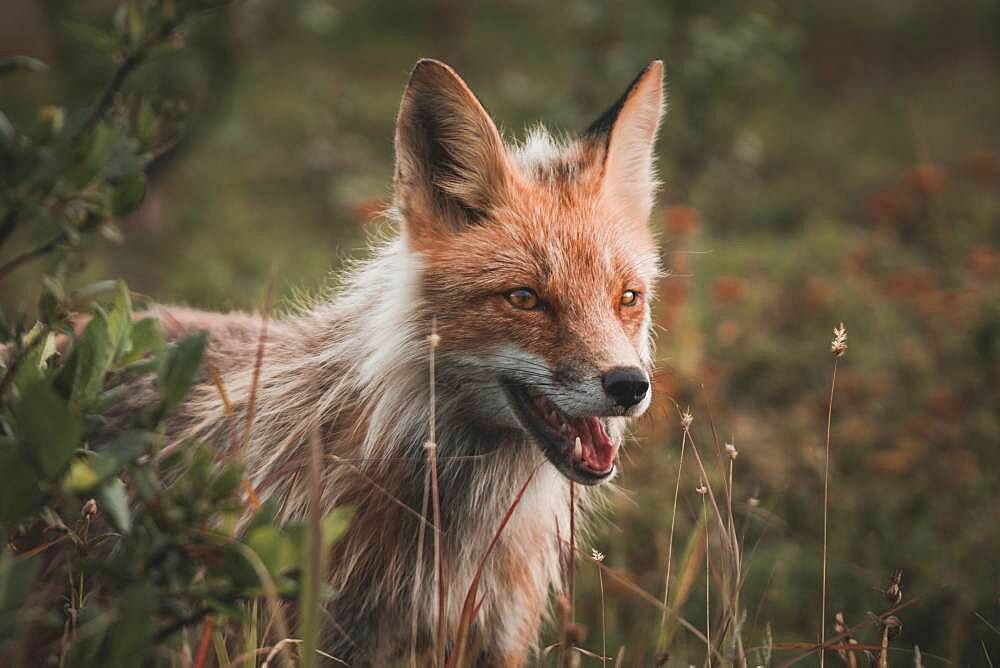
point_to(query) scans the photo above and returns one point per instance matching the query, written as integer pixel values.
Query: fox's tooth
(578, 449)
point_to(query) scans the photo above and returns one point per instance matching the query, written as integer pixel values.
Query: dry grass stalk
(838, 347)
(883, 656)
(206, 637)
(731, 578)
(688, 569)
(982, 643)
(431, 447)
(258, 364)
(848, 656)
(469, 607)
(227, 407)
(686, 420)
(571, 561)
(702, 490)
(419, 573)
(599, 557)
(652, 600)
(310, 611)
(271, 596)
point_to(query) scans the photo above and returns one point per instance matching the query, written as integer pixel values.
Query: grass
(724, 647)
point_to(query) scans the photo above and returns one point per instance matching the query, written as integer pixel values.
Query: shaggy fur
(476, 219)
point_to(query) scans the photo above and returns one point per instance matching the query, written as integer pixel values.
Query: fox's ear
(625, 135)
(451, 164)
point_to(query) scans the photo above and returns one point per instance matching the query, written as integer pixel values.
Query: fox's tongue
(596, 449)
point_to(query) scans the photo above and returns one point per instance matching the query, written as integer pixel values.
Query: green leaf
(80, 478)
(274, 548)
(6, 331)
(19, 494)
(86, 474)
(94, 356)
(10, 64)
(313, 578)
(17, 576)
(113, 500)
(123, 161)
(145, 483)
(94, 289)
(47, 125)
(120, 322)
(48, 429)
(33, 366)
(135, 24)
(66, 375)
(147, 338)
(131, 636)
(226, 483)
(50, 303)
(97, 40)
(335, 525)
(145, 123)
(128, 194)
(8, 135)
(93, 157)
(181, 370)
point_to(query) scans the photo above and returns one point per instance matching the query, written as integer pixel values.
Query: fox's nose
(627, 385)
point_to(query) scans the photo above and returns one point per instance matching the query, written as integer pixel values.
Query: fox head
(537, 264)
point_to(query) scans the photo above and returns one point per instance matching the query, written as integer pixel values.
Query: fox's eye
(523, 298)
(630, 298)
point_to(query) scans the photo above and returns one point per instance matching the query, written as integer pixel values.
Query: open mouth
(579, 447)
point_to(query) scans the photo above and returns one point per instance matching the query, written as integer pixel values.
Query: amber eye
(523, 298)
(630, 298)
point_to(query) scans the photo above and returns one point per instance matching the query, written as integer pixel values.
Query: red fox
(536, 263)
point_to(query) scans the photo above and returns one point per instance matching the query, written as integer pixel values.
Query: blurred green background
(822, 162)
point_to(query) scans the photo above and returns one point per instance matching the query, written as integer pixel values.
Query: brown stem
(826, 498)
(33, 254)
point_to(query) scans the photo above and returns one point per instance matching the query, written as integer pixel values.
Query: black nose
(627, 385)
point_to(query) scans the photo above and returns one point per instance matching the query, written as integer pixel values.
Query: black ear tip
(602, 126)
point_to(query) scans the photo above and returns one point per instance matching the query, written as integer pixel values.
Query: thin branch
(8, 225)
(34, 253)
(128, 64)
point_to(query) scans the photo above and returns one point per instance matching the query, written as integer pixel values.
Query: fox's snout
(626, 386)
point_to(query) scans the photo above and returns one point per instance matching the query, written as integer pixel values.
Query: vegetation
(115, 545)
(824, 162)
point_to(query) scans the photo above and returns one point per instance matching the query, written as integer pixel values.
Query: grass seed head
(686, 419)
(894, 592)
(89, 510)
(839, 344)
(731, 451)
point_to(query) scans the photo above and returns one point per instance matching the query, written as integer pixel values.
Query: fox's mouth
(579, 447)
